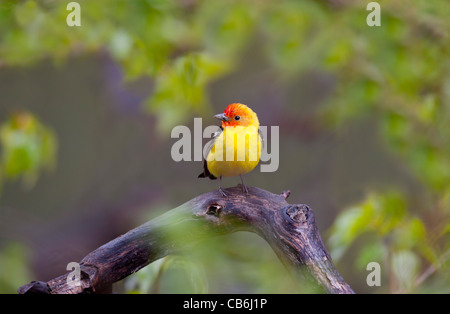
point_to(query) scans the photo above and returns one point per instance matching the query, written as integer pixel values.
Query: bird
(236, 148)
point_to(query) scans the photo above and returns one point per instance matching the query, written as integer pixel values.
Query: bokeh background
(86, 114)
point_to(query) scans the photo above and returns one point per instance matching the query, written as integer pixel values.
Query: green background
(86, 114)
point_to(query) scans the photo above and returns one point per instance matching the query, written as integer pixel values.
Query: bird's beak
(222, 117)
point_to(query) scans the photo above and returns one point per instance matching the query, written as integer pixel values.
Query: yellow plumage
(237, 149)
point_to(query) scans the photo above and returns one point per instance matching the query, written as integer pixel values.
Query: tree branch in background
(290, 230)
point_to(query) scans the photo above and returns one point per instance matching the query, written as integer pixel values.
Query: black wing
(262, 138)
(206, 173)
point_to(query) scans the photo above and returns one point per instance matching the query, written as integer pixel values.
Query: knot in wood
(298, 213)
(214, 209)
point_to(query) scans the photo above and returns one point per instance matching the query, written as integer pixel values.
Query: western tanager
(236, 148)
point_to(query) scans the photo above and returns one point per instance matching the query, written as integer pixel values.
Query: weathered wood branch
(290, 230)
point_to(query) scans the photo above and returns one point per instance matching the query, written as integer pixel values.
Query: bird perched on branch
(236, 148)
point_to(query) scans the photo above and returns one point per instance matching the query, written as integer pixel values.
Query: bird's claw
(244, 189)
(222, 192)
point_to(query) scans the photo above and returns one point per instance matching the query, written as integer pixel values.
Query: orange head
(238, 115)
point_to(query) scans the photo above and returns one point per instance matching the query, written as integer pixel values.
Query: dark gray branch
(290, 230)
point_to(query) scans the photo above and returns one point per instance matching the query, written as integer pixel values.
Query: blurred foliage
(398, 73)
(27, 148)
(15, 270)
(399, 239)
(213, 265)
(185, 277)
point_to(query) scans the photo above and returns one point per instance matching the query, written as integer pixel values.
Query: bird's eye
(237, 118)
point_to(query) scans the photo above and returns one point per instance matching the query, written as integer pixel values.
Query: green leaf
(14, 266)
(372, 252)
(391, 211)
(405, 266)
(348, 226)
(379, 213)
(28, 148)
(411, 233)
(144, 280)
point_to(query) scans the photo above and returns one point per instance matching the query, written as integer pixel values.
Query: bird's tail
(206, 173)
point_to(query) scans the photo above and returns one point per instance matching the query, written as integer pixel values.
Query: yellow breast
(236, 151)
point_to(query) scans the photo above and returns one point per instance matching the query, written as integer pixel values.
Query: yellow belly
(236, 151)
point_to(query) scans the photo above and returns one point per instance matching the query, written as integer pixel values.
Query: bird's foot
(244, 189)
(222, 192)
